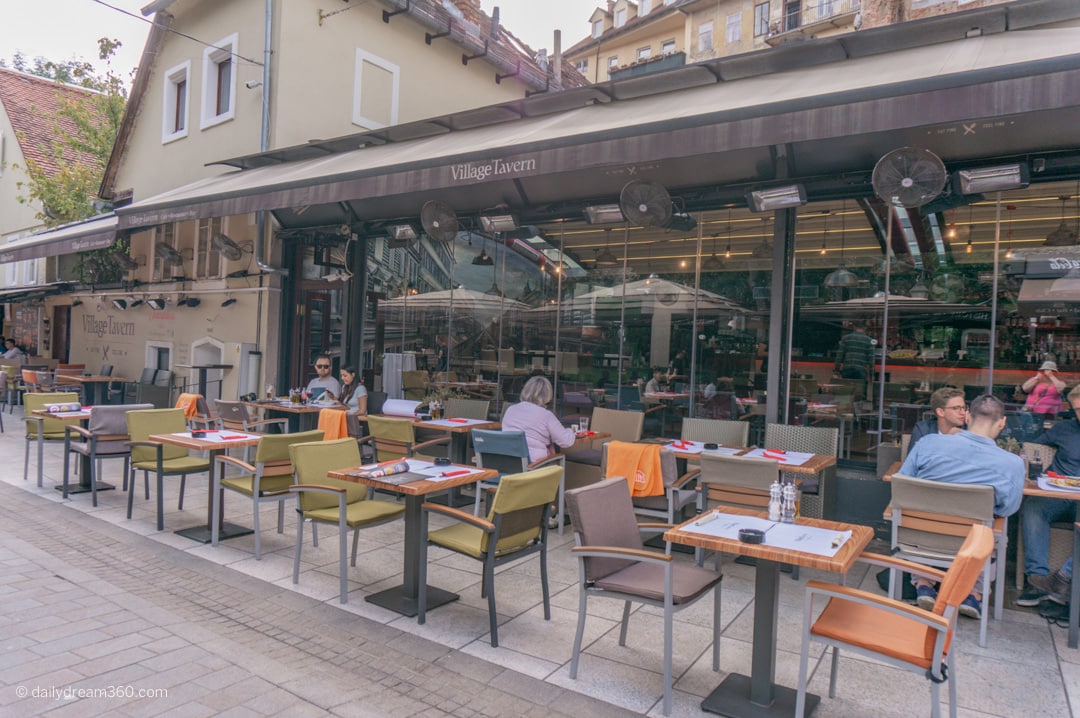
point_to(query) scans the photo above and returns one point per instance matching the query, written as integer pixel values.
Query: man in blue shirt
(950, 415)
(1038, 513)
(971, 456)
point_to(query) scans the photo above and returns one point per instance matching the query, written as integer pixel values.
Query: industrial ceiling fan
(439, 220)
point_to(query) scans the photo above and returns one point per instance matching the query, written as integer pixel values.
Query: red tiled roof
(32, 105)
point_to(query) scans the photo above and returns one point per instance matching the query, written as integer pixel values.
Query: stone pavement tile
(107, 646)
(113, 661)
(190, 709)
(25, 673)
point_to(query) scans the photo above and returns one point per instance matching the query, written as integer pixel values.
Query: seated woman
(531, 415)
(353, 393)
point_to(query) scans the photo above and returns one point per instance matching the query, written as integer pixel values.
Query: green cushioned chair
(51, 429)
(516, 527)
(333, 501)
(396, 439)
(163, 459)
(269, 479)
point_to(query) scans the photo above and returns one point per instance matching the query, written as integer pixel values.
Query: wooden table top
(93, 378)
(418, 488)
(67, 415)
(190, 442)
(458, 429)
(816, 464)
(840, 563)
(287, 406)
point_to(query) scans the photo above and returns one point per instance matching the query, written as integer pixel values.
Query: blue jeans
(1037, 514)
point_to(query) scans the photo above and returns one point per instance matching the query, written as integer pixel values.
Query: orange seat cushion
(875, 630)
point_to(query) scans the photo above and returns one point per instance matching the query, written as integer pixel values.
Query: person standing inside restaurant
(323, 381)
(970, 456)
(531, 415)
(1039, 512)
(677, 367)
(353, 392)
(855, 354)
(442, 354)
(950, 415)
(1044, 391)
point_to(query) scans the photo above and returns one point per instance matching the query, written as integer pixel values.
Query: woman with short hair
(531, 415)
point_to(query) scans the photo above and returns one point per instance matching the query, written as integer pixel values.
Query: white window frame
(206, 257)
(643, 53)
(11, 274)
(213, 56)
(29, 272)
(168, 233)
(612, 64)
(173, 77)
(761, 18)
(705, 36)
(597, 28)
(358, 118)
(644, 6)
(733, 28)
(151, 356)
(582, 65)
(667, 47)
(620, 17)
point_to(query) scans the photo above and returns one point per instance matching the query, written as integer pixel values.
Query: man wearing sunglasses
(324, 382)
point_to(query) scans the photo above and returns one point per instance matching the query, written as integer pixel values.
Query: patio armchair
(268, 480)
(676, 496)
(894, 632)
(396, 439)
(162, 459)
(613, 563)
(583, 465)
(105, 437)
(333, 501)
(735, 481)
(515, 527)
(818, 495)
(51, 429)
(508, 453)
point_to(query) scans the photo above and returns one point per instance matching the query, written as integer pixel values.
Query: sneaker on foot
(925, 596)
(971, 607)
(1038, 588)
(1059, 590)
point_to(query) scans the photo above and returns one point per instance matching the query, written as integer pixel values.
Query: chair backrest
(233, 414)
(37, 401)
(960, 579)
(147, 376)
(44, 380)
(934, 516)
(112, 419)
(730, 433)
(106, 370)
(521, 506)
(375, 401)
(163, 377)
(70, 370)
(467, 408)
(3, 385)
(314, 460)
(274, 448)
(811, 439)
(669, 466)
(393, 437)
(141, 424)
(603, 515)
(736, 481)
(503, 451)
(1040, 453)
(622, 425)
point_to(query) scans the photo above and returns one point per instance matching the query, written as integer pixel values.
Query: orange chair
(892, 631)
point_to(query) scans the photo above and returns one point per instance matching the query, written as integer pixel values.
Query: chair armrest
(459, 515)
(431, 442)
(655, 526)
(149, 444)
(549, 459)
(658, 407)
(284, 423)
(316, 488)
(225, 459)
(847, 593)
(877, 559)
(686, 478)
(204, 421)
(76, 429)
(635, 554)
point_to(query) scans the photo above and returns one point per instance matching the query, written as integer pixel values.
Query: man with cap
(1044, 390)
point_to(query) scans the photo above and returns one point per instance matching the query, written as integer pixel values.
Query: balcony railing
(812, 18)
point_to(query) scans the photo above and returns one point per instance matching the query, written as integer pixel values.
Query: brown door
(316, 332)
(61, 333)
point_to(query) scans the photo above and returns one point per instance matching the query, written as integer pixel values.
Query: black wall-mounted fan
(124, 261)
(169, 254)
(227, 247)
(439, 220)
(645, 203)
(910, 176)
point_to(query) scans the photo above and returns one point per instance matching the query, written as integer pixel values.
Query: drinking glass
(583, 424)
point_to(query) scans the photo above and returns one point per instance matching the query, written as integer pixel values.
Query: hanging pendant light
(841, 277)
(1063, 235)
(919, 290)
(606, 258)
(714, 263)
(1010, 208)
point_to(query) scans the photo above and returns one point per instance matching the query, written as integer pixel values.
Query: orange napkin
(334, 424)
(639, 463)
(190, 404)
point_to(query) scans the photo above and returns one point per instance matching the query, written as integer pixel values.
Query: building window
(643, 53)
(375, 91)
(620, 17)
(164, 269)
(704, 37)
(207, 259)
(734, 27)
(667, 47)
(174, 123)
(612, 64)
(643, 7)
(218, 82)
(582, 65)
(761, 19)
(597, 28)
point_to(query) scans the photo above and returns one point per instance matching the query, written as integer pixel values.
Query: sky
(62, 30)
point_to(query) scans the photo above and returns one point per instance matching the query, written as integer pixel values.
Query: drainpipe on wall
(264, 140)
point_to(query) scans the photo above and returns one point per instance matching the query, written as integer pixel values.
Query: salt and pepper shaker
(775, 499)
(788, 510)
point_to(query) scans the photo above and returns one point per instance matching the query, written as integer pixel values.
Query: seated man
(950, 415)
(11, 351)
(971, 456)
(1039, 512)
(324, 382)
(654, 386)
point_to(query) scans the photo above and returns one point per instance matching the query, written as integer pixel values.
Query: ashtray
(198, 434)
(711, 447)
(442, 461)
(751, 535)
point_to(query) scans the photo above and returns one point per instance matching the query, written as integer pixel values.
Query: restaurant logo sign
(1048, 267)
(107, 326)
(480, 171)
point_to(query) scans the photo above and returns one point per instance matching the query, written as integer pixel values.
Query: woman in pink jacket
(1044, 390)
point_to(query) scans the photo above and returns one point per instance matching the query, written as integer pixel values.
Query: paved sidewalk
(88, 605)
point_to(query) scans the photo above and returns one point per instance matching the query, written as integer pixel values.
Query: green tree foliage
(79, 149)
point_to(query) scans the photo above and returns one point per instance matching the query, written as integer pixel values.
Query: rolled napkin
(63, 408)
(400, 407)
(375, 472)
